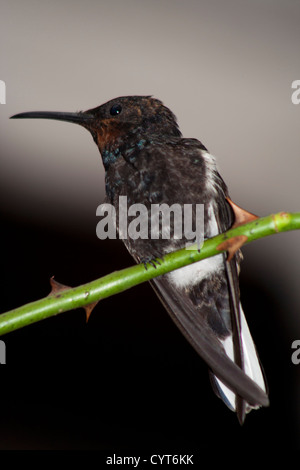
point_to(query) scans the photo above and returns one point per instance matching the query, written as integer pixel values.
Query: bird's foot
(149, 260)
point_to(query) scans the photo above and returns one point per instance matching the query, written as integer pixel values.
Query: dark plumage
(147, 160)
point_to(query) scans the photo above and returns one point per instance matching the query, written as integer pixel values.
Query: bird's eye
(115, 109)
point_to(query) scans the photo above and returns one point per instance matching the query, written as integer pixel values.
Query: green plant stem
(119, 281)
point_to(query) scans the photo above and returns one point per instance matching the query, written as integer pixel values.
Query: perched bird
(147, 160)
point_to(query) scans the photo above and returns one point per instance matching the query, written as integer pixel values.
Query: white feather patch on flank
(194, 273)
(211, 227)
(211, 171)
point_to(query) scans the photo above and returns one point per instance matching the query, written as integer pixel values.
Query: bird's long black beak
(82, 118)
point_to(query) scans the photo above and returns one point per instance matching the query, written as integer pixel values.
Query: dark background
(128, 379)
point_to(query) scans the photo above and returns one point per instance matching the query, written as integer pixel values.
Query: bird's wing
(202, 299)
(198, 332)
(211, 319)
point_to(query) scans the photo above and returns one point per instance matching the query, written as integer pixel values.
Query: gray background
(224, 68)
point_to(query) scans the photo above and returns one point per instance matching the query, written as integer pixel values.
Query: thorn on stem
(88, 310)
(232, 245)
(57, 287)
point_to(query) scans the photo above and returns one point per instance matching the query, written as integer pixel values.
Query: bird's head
(119, 119)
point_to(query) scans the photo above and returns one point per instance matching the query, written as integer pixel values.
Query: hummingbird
(147, 159)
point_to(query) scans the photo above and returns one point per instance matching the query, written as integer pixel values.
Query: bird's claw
(152, 261)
